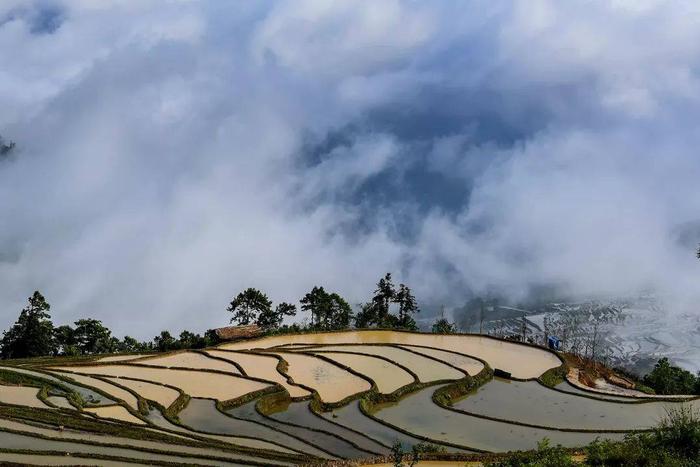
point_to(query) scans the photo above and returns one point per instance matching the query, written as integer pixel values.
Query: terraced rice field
(288, 400)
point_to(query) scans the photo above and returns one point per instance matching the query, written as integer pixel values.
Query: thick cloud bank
(170, 153)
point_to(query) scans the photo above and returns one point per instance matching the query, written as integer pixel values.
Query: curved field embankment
(292, 399)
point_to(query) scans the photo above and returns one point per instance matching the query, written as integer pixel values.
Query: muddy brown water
(88, 395)
(202, 415)
(60, 402)
(425, 368)
(20, 395)
(120, 358)
(193, 360)
(163, 395)
(419, 415)
(300, 413)
(116, 412)
(195, 383)
(115, 392)
(464, 363)
(332, 383)
(333, 444)
(520, 360)
(387, 376)
(530, 402)
(263, 367)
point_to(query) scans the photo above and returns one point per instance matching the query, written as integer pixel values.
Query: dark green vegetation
(669, 379)
(34, 335)
(378, 311)
(442, 326)
(674, 443)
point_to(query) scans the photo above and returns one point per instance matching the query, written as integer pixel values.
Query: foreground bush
(674, 443)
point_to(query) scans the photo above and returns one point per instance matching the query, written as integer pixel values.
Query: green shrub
(544, 456)
(669, 379)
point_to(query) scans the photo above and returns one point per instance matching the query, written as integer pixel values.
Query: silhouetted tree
(339, 314)
(367, 315)
(32, 334)
(329, 311)
(407, 307)
(164, 342)
(313, 302)
(64, 341)
(91, 337)
(383, 297)
(442, 326)
(129, 344)
(248, 306)
(377, 312)
(272, 319)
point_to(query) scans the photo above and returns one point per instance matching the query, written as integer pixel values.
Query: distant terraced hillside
(305, 398)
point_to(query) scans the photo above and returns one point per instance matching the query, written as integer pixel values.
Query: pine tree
(248, 306)
(33, 333)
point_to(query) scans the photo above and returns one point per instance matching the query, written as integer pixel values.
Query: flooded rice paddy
(426, 369)
(352, 417)
(202, 415)
(88, 395)
(387, 376)
(503, 414)
(300, 413)
(530, 402)
(18, 395)
(418, 414)
(163, 395)
(25, 442)
(470, 365)
(114, 392)
(189, 360)
(196, 384)
(263, 367)
(521, 361)
(329, 442)
(332, 383)
(116, 412)
(120, 358)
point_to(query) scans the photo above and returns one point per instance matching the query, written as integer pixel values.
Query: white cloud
(169, 155)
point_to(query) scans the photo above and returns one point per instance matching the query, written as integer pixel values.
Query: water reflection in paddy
(25, 442)
(530, 402)
(332, 383)
(425, 368)
(335, 445)
(419, 415)
(350, 416)
(300, 413)
(521, 361)
(202, 415)
(386, 375)
(195, 383)
(88, 395)
(571, 389)
(463, 362)
(157, 418)
(191, 360)
(261, 366)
